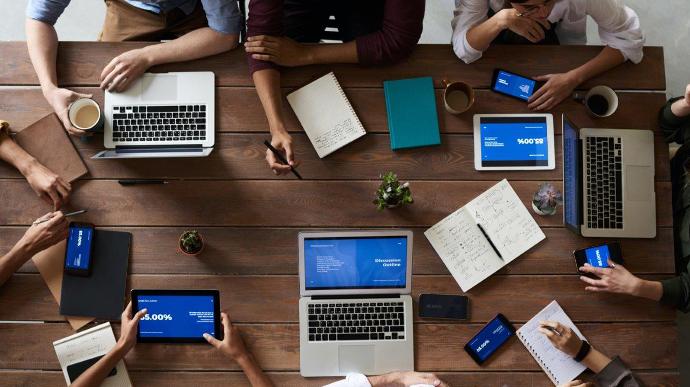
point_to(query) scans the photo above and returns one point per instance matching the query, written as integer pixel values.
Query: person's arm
(233, 347)
(617, 279)
(38, 237)
(47, 185)
(674, 118)
(94, 376)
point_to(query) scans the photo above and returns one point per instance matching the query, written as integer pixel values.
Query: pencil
(281, 158)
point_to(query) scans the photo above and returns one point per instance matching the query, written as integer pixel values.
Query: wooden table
(250, 219)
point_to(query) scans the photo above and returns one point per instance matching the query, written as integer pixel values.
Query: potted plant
(391, 193)
(546, 199)
(191, 243)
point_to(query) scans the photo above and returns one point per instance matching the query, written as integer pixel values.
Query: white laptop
(608, 182)
(355, 309)
(161, 115)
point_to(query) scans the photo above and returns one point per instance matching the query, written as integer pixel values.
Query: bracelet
(583, 352)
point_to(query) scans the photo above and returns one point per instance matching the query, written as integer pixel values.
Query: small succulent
(391, 193)
(191, 242)
(547, 198)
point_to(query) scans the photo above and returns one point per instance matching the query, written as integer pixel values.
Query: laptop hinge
(351, 296)
(580, 185)
(158, 148)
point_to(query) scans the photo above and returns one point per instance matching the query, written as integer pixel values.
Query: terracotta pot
(179, 246)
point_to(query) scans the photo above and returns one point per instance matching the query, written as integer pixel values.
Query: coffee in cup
(458, 97)
(601, 101)
(85, 114)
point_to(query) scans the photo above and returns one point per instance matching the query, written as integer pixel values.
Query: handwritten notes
(560, 367)
(465, 250)
(326, 115)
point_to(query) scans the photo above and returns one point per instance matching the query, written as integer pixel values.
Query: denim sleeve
(223, 16)
(47, 11)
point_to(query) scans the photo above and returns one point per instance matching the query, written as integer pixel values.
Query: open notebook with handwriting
(486, 234)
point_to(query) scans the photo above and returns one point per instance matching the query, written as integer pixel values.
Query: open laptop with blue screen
(355, 308)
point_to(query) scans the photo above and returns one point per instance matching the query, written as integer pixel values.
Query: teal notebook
(411, 108)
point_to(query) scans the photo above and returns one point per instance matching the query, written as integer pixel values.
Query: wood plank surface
(293, 379)
(25, 297)
(276, 347)
(269, 203)
(237, 251)
(81, 63)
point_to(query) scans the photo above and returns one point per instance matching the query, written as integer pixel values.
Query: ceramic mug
(458, 97)
(85, 114)
(600, 101)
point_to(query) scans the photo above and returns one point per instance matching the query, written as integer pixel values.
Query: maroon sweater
(400, 31)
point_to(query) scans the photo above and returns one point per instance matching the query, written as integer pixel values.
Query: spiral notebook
(560, 367)
(326, 115)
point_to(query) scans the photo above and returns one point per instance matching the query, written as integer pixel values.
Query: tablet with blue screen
(177, 316)
(514, 142)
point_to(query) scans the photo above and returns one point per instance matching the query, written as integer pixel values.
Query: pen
(489, 239)
(66, 215)
(552, 329)
(141, 181)
(281, 158)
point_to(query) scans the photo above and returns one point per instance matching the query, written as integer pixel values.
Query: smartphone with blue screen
(598, 256)
(485, 343)
(513, 85)
(79, 251)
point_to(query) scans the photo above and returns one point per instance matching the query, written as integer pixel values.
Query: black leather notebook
(102, 295)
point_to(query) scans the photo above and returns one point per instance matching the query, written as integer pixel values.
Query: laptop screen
(571, 177)
(355, 262)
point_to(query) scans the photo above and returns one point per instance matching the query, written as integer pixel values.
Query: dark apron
(509, 37)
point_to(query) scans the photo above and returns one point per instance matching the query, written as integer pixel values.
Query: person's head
(535, 9)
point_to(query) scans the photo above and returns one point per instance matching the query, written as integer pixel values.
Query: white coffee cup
(601, 101)
(85, 114)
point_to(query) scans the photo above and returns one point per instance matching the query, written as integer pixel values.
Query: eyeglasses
(530, 9)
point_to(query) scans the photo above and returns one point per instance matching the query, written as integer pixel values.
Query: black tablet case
(101, 295)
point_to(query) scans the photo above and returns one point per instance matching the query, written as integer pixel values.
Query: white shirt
(359, 380)
(619, 26)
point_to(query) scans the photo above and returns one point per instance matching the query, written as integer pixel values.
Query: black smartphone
(443, 306)
(76, 369)
(598, 256)
(494, 334)
(78, 255)
(513, 85)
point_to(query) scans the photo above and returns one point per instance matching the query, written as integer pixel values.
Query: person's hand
(404, 379)
(557, 88)
(687, 95)
(60, 99)
(567, 342)
(232, 345)
(282, 142)
(43, 235)
(613, 279)
(531, 29)
(122, 70)
(47, 185)
(128, 330)
(280, 50)
(576, 383)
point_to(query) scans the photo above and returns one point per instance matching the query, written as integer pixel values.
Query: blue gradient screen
(355, 263)
(176, 316)
(598, 256)
(571, 180)
(515, 85)
(514, 141)
(78, 254)
(490, 338)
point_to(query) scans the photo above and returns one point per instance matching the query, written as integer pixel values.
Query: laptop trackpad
(639, 183)
(356, 358)
(159, 88)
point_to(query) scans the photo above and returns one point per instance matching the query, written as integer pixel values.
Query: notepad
(560, 367)
(471, 255)
(326, 115)
(411, 110)
(91, 343)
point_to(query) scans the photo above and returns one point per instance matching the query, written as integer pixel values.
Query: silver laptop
(608, 182)
(161, 115)
(355, 309)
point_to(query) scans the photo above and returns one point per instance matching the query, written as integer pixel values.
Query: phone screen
(513, 85)
(489, 339)
(598, 256)
(78, 255)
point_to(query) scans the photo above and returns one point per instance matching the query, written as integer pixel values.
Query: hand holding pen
(277, 154)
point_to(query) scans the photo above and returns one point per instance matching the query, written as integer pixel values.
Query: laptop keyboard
(604, 183)
(356, 321)
(159, 123)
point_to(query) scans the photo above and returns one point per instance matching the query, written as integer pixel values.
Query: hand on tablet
(232, 344)
(128, 332)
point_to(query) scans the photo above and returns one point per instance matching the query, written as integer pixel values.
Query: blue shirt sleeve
(223, 16)
(47, 11)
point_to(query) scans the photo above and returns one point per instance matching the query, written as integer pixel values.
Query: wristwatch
(583, 352)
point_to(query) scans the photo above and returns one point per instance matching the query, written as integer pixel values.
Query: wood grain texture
(80, 63)
(292, 379)
(238, 109)
(25, 297)
(269, 203)
(276, 347)
(232, 250)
